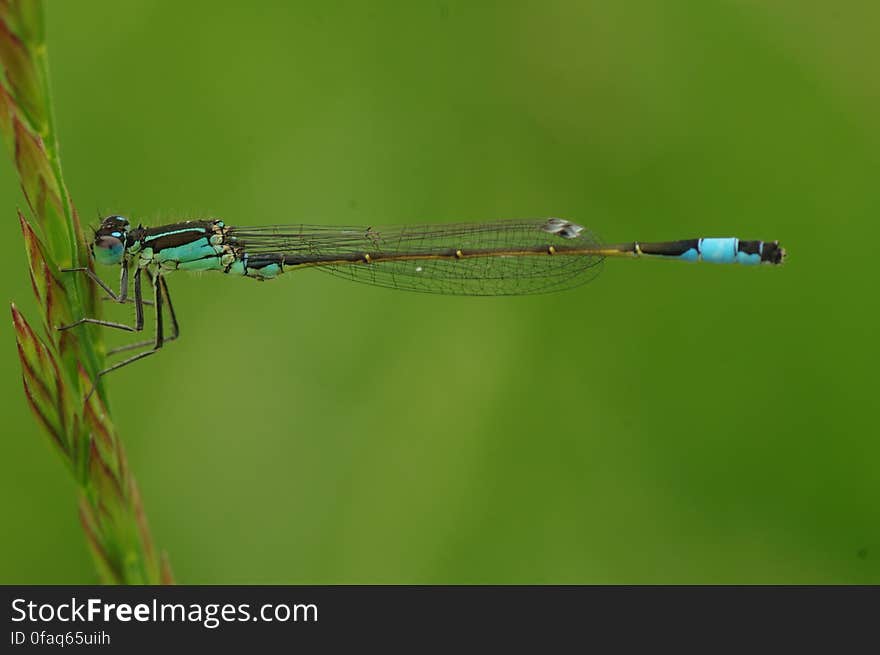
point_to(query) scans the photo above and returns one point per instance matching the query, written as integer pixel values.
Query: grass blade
(58, 368)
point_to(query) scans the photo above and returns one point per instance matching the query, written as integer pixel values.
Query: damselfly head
(109, 244)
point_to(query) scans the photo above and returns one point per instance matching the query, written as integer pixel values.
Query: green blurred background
(668, 423)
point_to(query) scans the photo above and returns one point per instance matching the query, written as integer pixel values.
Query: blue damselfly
(511, 257)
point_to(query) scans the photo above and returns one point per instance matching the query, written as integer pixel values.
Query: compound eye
(108, 249)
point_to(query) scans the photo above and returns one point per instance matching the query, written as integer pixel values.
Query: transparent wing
(497, 258)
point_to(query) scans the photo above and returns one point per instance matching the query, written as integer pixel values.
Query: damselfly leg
(160, 335)
(166, 302)
(121, 297)
(161, 299)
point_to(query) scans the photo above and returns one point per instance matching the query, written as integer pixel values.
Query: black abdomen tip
(772, 253)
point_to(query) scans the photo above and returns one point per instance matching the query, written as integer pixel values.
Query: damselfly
(498, 258)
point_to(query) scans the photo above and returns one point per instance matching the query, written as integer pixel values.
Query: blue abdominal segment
(747, 259)
(719, 251)
(690, 255)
